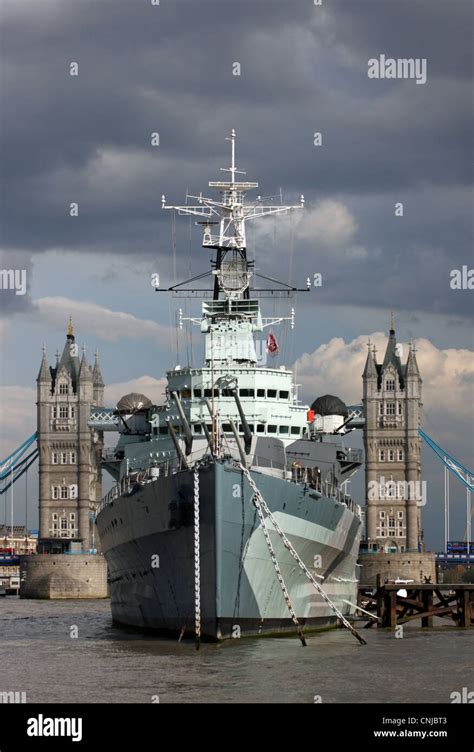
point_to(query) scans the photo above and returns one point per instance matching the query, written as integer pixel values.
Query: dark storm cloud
(304, 69)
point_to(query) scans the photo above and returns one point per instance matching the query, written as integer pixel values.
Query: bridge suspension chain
(298, 559)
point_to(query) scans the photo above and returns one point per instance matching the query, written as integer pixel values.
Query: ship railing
(138, 478)
(353, 455)
(305, 477)
(290, 472)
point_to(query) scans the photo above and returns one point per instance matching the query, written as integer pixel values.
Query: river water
(104, 664)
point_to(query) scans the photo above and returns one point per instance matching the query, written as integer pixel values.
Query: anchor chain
(298, 559)
(197, 561)
(286, 594)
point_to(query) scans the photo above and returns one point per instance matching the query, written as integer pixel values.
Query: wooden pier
(396, 604)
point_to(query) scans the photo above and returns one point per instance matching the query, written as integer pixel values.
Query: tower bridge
(72, 420)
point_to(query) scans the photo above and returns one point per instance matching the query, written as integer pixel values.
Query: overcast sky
(168, 69)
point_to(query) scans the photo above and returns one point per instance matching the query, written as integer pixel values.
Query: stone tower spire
(98, 381)
(392, 407)
(44, 375)
(69, 450)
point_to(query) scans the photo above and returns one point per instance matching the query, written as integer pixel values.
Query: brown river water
(105, 664)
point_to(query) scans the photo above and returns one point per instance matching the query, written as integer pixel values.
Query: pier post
(427, 600)
(380, 601)
(390, 609)
(464, 601)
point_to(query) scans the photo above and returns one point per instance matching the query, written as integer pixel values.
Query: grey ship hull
(240, 593)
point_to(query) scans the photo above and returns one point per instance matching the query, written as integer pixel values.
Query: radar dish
(233, 273)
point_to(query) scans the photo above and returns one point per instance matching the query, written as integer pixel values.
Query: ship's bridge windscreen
(233, 272)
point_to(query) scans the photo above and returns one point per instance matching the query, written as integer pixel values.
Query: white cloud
(90, 317)
(147, 385)
(448, 382)
(329, 225)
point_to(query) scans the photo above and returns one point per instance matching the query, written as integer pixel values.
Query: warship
(231, 513)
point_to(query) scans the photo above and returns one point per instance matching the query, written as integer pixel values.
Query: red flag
(272, 345)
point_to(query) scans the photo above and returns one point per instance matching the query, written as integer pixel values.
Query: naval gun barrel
(177, 446)
(188, 436)
(245, 425)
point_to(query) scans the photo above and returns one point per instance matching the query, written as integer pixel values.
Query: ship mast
(231, 214)
(232, 316)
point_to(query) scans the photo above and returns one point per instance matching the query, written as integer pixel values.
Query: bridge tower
(393, 408)
(69, 450)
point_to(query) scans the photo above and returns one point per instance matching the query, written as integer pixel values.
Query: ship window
(272, 429)
(209, 427)
(284, 429)
(186, 393)
(260, 392)
(305, 430)
(260, 427)
(295, 430)
(227, 393)
(208, 392)
(284, 395)
(226, 428)
(271, 393)
(163, 430)
(251, 427)
(247, 392)
(197, 392)
(197, 428)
